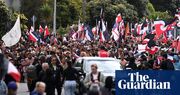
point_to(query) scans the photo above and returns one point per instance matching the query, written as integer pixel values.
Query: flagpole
(54, 19)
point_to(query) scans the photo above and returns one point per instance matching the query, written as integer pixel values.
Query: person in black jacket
(132, 65)
(57, 74)
(70, 75)
(107, 89)
(166, 63)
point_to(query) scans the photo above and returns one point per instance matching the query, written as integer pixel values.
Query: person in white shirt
(94, 77)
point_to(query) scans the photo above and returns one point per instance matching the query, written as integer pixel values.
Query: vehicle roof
(103, 58)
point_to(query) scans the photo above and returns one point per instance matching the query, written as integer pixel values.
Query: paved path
(22, 90)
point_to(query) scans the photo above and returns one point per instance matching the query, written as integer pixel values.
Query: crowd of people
(48, 66)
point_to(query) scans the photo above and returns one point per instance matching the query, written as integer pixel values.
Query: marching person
(12, 88)
(57, 71)
(39, 89)
(3, 87)
(94, 77)
(70, 76)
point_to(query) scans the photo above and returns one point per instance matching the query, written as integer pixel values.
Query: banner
(147, 82)
(13, 36)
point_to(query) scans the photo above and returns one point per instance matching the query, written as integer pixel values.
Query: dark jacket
(167, 65)
(57, 74)
(35, 93)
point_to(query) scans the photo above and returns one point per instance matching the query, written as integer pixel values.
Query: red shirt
(103, 53)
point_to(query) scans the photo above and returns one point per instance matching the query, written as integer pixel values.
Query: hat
(12, 85)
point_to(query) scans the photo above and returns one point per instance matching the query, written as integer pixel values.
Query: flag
(159, 28)
(118, 28)
(9, 68)
(152, 50)
(127, 30)
(144, 35)
(12, 71)
(41, 30)
(174, 44)
(46, 32)
(145, 41)
(89, 35)
(115, 32)
(138, 29)
(145, 26)
(13, 36)
(122, 28)
(118, 18)
(102, 30)
(32, 36)
(165, 38)
(74, 36)
(94, 31)
(80, 29)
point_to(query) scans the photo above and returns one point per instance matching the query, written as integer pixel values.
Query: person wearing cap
(12, 88)
(94, 77)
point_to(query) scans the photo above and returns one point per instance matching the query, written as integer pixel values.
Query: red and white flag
(118, 18)
(102, 30)
(152, 50)
(46, 32)
(159, 28)
(41, 30)
(12, 71)
(31, 35)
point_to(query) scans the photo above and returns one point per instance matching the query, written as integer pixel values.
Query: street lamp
(54, 19)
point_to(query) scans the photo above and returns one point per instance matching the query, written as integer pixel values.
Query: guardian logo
(149, 82)
(138, 81)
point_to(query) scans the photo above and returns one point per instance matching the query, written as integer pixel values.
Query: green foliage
(111, 9)
(68, 12)
(157, 14)
(46, 13)
(150, 8)
(62, 30)
(140, 7)
(5, 19)
(23, 20)
(165, 5)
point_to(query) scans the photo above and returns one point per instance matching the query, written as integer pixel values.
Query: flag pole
(54, 19)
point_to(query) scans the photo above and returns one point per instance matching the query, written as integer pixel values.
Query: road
(22, 90)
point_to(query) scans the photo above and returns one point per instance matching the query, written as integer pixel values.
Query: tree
(140, 7)
(46, 13)
(153, 14)
(30, 8)
(165, 5)
(111, 9)
(5, 19)
(68, 12)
